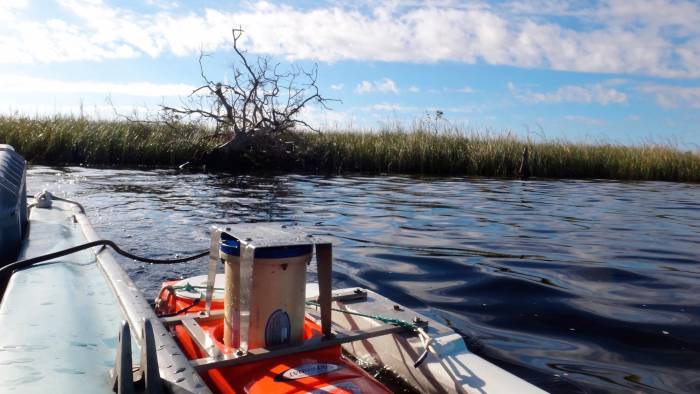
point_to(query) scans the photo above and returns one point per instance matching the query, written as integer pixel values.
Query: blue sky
(623, 71)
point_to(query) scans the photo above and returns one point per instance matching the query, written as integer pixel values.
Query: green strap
(188, 287)
(383, 319)
(193, 289)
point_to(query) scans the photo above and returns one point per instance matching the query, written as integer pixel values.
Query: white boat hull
(449, 367)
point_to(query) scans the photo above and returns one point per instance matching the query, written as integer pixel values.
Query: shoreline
(67, 141)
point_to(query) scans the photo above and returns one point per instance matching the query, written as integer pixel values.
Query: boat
(73, 321)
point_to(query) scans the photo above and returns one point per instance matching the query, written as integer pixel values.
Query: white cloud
(364, 87)
(669, 96)
(166, 5)
(384, 85)
(599, 93)
(329, 120)
(652, 37)
(584, 120)
(413, 89)
(393, 107)
(416, 111)
(337, 87)
(26, 84)
(466, 89)
(13, 5)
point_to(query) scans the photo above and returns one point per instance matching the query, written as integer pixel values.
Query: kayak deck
(59, 319)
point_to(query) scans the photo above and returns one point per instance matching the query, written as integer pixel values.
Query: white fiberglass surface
(58, 320)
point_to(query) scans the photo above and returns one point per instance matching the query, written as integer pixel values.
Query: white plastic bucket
(277, 295)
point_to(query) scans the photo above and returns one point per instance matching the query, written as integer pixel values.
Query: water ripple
(577, 286)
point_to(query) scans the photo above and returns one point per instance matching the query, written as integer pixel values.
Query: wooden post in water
(524, 171)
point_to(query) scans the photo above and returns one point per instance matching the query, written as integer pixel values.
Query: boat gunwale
(175, 369)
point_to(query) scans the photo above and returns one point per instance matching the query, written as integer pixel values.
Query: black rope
(183, 310)
(421, 358)
(105, 242)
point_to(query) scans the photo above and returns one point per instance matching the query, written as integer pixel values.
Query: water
(576, 286)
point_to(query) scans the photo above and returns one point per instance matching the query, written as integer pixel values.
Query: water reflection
(577, 286)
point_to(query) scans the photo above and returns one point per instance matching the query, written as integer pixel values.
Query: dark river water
(576, 286)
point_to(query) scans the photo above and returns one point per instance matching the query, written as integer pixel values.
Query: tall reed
(74, 140)
(71, 140)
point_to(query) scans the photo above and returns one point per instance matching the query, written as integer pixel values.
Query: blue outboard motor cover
(13, 203)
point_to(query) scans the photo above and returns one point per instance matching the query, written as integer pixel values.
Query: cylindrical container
(277, 295)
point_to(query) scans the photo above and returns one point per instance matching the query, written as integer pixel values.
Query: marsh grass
(70, 140)
(74, 140)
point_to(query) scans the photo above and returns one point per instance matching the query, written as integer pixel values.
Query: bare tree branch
(257, 98)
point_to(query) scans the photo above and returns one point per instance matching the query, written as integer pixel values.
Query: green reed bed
(414, 152)
(455, 152)
(66, 140)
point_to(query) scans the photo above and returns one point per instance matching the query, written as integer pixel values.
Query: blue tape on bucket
(231, 247)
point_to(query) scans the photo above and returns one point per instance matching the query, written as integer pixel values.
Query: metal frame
(253, 236)
(253, 355)
(344, 295)
(201, 338)
(216, 359)
(265, 235)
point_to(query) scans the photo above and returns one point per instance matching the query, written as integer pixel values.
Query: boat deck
(59, 320)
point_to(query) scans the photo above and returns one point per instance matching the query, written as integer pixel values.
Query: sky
(617, 71)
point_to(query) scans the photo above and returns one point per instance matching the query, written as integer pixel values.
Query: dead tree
(258, 100)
